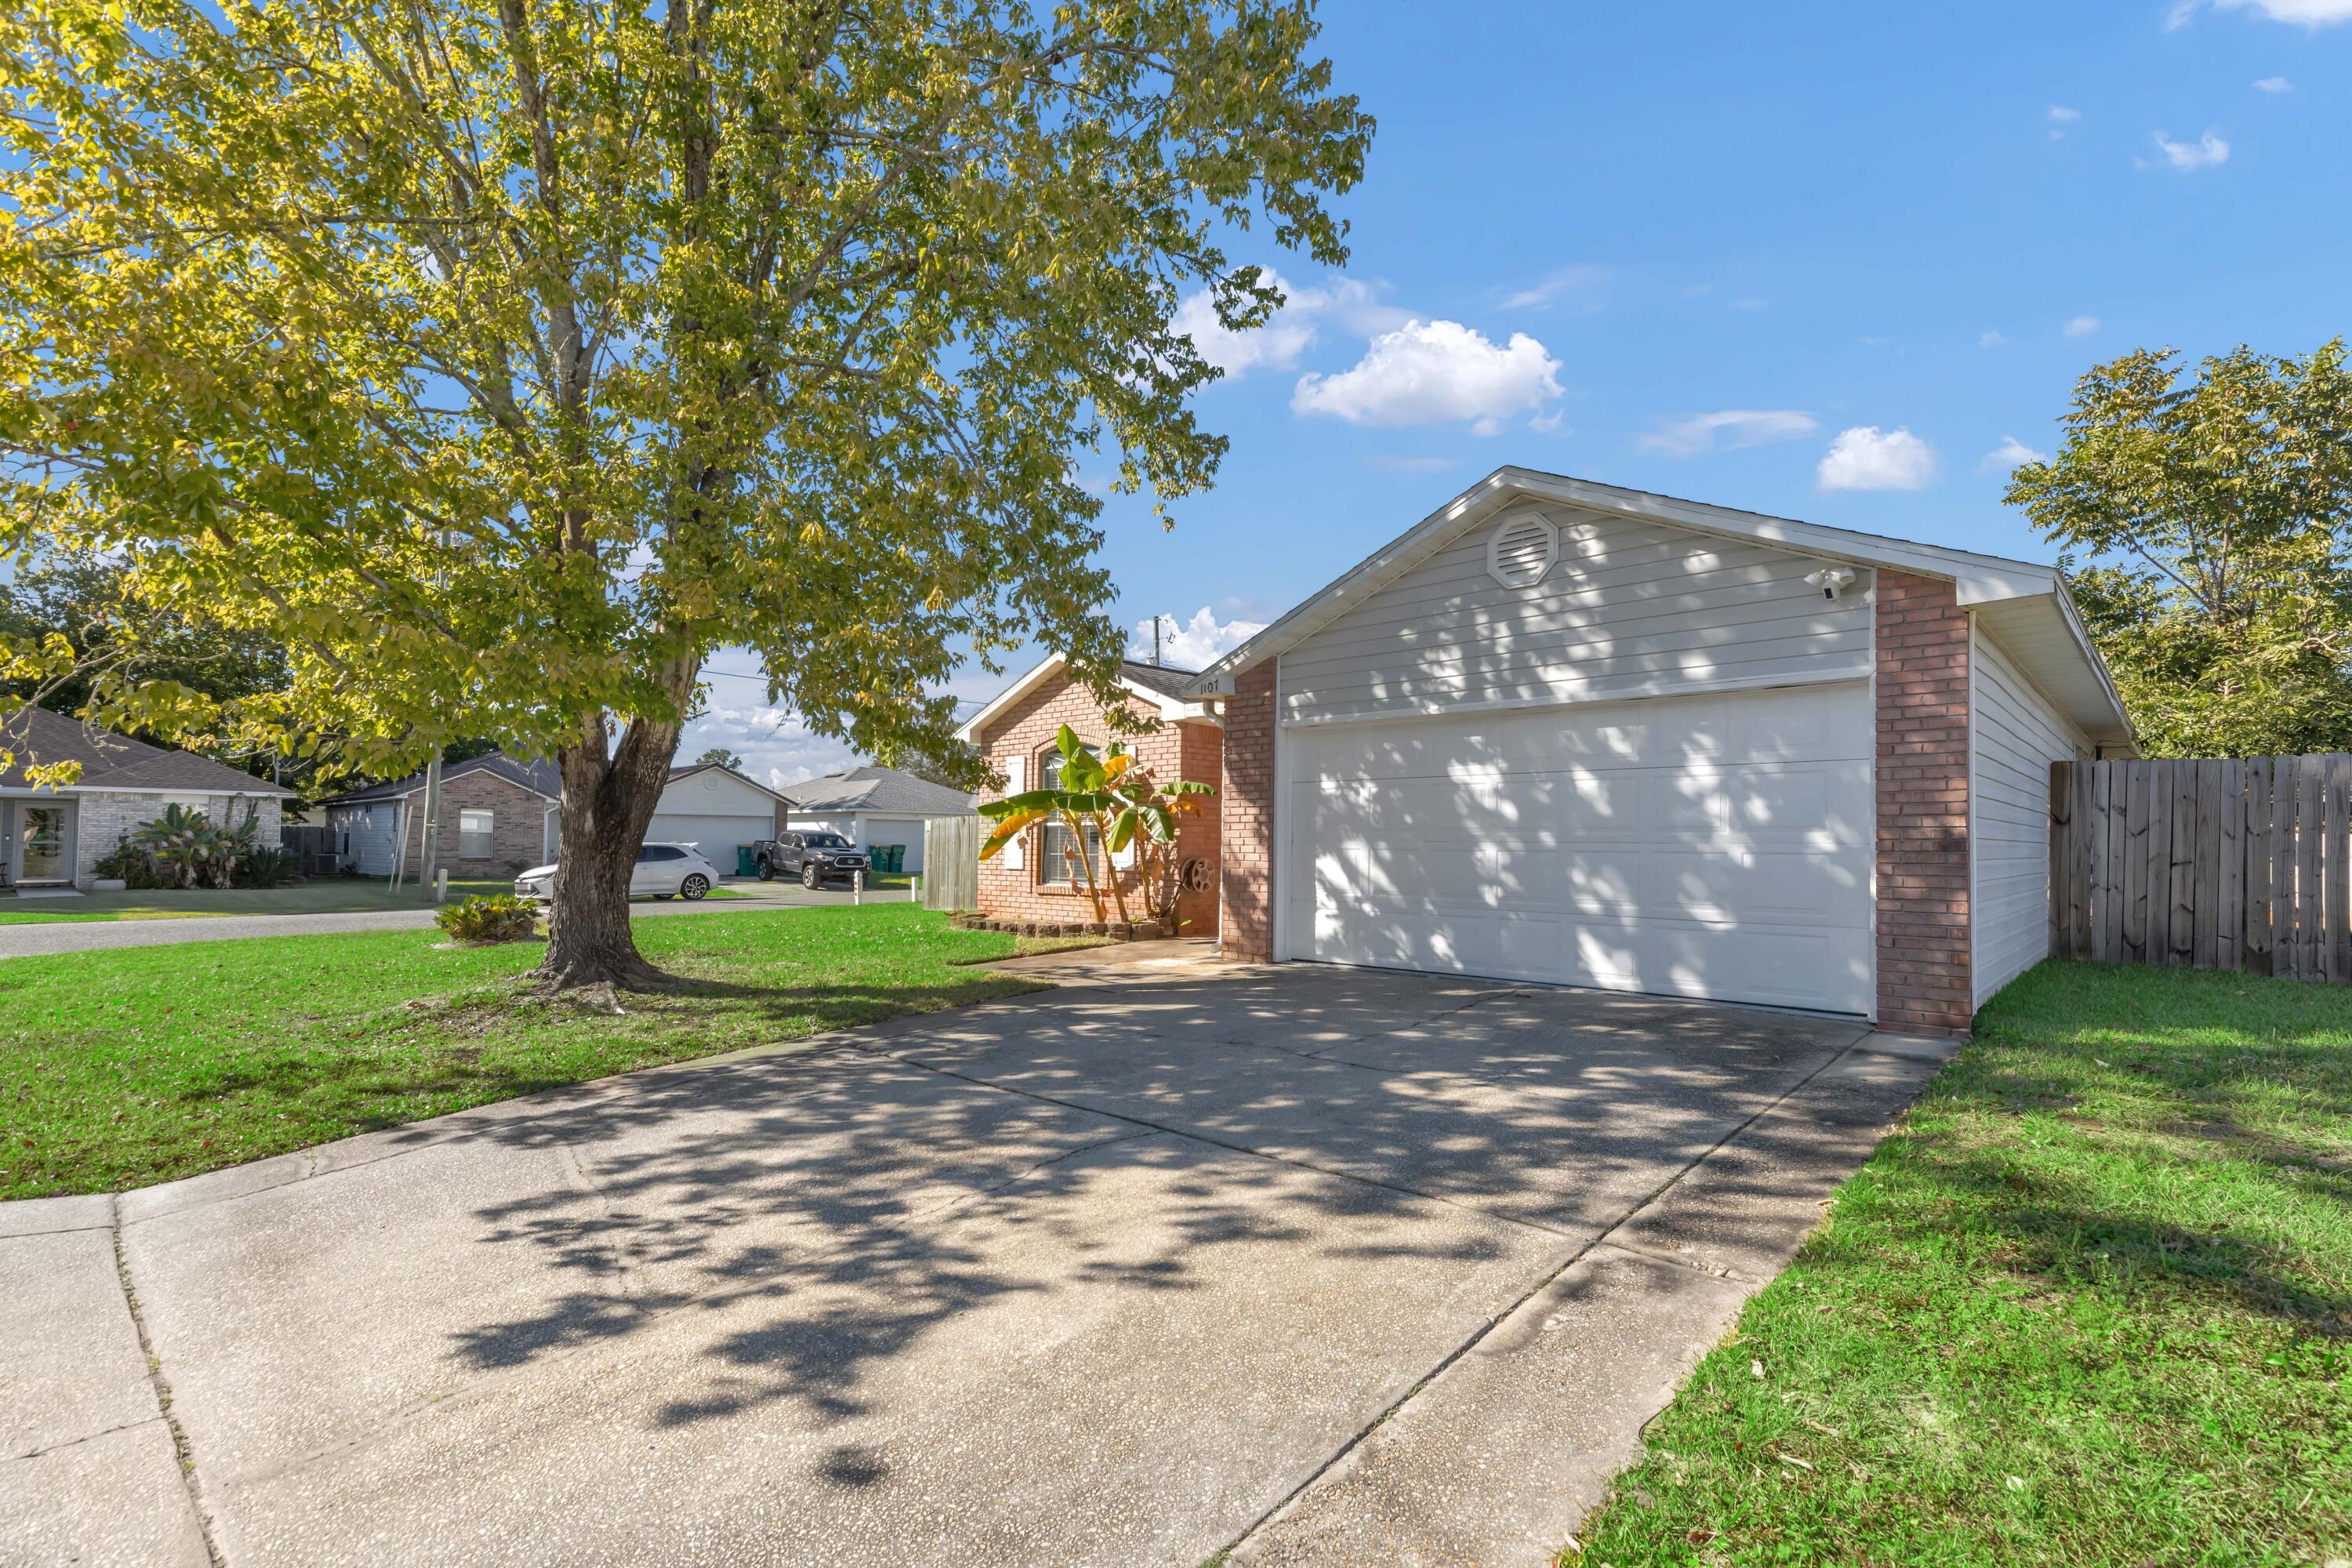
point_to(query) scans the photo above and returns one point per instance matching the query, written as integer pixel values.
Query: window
(652, 853)
(473, 835)
(1055, 840)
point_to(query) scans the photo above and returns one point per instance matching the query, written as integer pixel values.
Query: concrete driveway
(1322, 1266)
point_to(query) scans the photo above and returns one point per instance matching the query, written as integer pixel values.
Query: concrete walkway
(89, 936)
(1323, 1267)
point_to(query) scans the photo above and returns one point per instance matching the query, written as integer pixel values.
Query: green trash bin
(878, 857)
(898, 859)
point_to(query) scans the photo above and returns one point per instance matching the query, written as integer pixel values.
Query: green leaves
(2213, 516)
(504, 373)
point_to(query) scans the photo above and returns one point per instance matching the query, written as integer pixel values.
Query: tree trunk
(608, 802)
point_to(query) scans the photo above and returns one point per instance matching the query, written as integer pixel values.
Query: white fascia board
(1977, 579)
(1169, 708)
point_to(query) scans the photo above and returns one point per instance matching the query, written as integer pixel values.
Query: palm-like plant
(1109, 799)
(191, 848)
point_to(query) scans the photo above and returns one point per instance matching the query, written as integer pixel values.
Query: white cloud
(2188, 157)
(2059, 117)
(1576, 286)
(2080, 326)
(1990, 338)
(1293, 329)
(2274, 84)
(1391, 462)
(1725, 429)
(2008, 454)
(1195, 644)
(1868, 458)
(1751, 302)
(2308, 12)
(1427, 373)
(2180, 15)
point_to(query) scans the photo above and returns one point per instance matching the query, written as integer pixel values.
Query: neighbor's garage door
(1713, 847)
(715, 837)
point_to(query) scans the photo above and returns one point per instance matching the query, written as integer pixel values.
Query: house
(56, 837)
(1564, 731)
(871, 805)
(499, 814)
(1033, 877)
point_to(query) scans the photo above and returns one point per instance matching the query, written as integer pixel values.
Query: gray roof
(543, 778)
(110, 760)
(690, 770)
(1164, 679)
(879, 789)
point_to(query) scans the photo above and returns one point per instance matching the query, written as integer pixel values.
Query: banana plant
(1081, 800)
(1151, 812)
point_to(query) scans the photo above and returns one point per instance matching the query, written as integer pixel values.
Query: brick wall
(1922, 653)
(1245, 917)
(1189, 750)
(518, 825)
(103, 820)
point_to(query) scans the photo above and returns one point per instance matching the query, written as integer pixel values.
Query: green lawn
(122, 1067)
(2092, 1304)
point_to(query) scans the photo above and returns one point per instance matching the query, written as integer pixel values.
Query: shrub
(501, 917)
(134, 866)
(267, 868)
(191, 848)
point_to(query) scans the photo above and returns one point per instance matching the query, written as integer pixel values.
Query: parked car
(815, 858)
(663, 871)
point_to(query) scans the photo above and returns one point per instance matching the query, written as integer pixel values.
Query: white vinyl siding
(1716, 846)
(1630, 609)
(2015, 734)
(365, 836)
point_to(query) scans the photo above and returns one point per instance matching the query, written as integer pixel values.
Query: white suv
(664, 871)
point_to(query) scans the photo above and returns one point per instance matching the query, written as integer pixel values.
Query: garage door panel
(1715, 846)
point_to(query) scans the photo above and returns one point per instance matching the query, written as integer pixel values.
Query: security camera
(1831, 580)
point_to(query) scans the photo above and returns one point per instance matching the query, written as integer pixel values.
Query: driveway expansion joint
(181, 1447)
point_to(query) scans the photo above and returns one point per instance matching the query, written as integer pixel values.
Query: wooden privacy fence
(951, 862)
(2209, 864)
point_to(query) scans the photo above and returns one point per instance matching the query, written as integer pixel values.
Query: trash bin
(898, 859)
(878, 857)
(746, 861)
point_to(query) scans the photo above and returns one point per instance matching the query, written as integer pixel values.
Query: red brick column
(1246, 831)
(1922, 651)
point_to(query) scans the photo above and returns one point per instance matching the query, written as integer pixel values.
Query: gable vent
(1521, 550)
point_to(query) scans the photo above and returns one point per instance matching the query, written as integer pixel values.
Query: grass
(127, 1067)
(2090, 1304)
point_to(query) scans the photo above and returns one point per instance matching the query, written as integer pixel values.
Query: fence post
(2062, 859)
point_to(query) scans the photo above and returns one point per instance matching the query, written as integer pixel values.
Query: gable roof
(1161, 685)
(110, 760)
(879, 789)
(2024, 606)
(693, 768)
(543, 779)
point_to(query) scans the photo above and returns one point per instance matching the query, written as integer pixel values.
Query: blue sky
(1825, 262)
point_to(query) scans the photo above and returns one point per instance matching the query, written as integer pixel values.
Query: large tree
(505, 357)
(2213, 516)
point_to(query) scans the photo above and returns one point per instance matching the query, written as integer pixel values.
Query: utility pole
(432, 827)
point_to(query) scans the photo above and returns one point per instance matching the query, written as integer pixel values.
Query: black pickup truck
(814, 858)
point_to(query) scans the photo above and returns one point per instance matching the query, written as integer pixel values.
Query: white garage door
(715, 837)
(1713, 846)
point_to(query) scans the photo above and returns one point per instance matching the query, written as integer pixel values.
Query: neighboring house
(870, 806)
(717, 810)
(56, 837)
(1564, 731)
(499, 813)
(1032, 878)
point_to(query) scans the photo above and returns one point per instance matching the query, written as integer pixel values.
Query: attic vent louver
(1521, 550)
